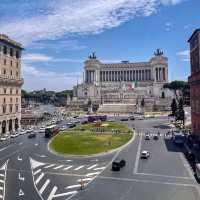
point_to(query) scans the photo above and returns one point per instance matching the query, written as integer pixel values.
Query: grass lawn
(87, 142)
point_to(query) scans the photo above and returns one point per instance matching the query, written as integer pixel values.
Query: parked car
(32, 135)
(145, 155)
(132, 118)
(3, 138)
(118, 164)
(190, 156)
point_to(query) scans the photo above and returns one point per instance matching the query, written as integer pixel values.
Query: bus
(51, 131)
(97, 118)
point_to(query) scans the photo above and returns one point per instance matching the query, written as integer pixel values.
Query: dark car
(124, 119)
(32, 135)
(179, 141)
(118, 164)
(190, 156)
(72, 125)
(155, 137)
(132, 118)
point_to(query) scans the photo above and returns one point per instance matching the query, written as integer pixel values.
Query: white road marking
(2, 181)
(65, 194)
(137, 156)
(1, 196)
(20, 143)
(1, 188)
(5, 148)
(95, 160)
(66, 168)
(84, 179)
(2, 175)
(35, 163)
(93, 166)
(36, 144)
(73, 186)
(19, 159)
(44, 186)
(48, 166)
(21, 193)
(92, 174)
(100, 168)
(51, 195)
(79, 167)
(39, 178)
(58, 167)
(21, 178)
(36, 172)
(167, 176)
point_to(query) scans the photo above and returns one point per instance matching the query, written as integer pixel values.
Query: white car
(145, 154)
(42, 130)
(147, 136)
(3, 138)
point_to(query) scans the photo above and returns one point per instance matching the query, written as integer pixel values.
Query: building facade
(10, 84)
(124, 82)
(194, 81)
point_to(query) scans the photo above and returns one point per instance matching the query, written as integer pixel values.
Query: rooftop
(196, 31)
(6, 39)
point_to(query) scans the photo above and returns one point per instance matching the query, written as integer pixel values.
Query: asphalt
(28, 171)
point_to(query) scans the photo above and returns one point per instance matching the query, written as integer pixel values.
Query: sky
(59, 35)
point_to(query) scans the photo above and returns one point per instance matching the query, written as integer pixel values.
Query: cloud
(35, 78)
(69, 17)
(168, 26)
(184, 55)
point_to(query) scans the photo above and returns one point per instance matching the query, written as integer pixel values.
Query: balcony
(8, 80)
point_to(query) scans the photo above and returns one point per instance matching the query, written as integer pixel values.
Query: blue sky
(58, 35)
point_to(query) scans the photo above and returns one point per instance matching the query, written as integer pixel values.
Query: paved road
(28, 171)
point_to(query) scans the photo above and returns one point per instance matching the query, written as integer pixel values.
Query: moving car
(147, 136)
(118, 164)
(124, 119)
(32, 135)
(145, 154)
(155, 137)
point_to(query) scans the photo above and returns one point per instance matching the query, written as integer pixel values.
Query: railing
(11, 80)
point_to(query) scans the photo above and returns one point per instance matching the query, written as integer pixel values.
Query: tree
(176, 86)
(174, 107)
(180, 115)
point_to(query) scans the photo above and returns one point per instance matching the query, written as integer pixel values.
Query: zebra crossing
(46, 188)
(3, 169)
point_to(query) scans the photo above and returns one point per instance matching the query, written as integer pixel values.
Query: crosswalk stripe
(2, 181)
(72, 186)
(1, 188)
(48, 166)
(58, 167)
(44, 186)
(1, 196)
(100, 168)
(39, 178)
(93, 166)
(91, 174)
(36, 172)
(2, 175)
(66, 168)
(51, 195)
(65, 194)
(85, 179)
(79, 167)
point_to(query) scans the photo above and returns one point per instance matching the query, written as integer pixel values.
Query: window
(17, 54)
(11, 63)
(17, 91)
(11, 100)
(5, 49)
(17, 73)
(4, 71)
(4, 100)
(4, 90)
(4, 61)
(16, 108)
(11, 72)
(4, 108)
(11, 108)
(17, 65)
(11, 52)
(17, 100)
(10, 90)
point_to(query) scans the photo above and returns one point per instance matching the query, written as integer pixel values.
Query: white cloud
(78, 17)
(184, 55)
(168, 26)
(35, 78)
